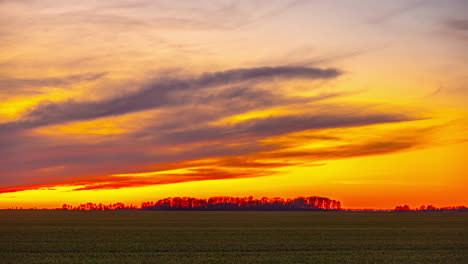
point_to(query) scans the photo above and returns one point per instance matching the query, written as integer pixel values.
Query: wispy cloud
(458, 24)
(393, 13)
(161, 93)
(15, 86)
(185, 133)
(255, 164)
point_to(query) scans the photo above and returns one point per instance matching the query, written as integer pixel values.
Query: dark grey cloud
(215, 107)
(458, 24)
(154, 143)
(267, 127)
(188, 102)
(192, 102)
(374, 147)
(36, 160)
(189, 106)
(161, 93)
(14, 86)
(246, 158)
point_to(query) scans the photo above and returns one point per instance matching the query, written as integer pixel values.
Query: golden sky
(130, 101)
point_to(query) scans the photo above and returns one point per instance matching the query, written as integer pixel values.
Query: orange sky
(131, 101)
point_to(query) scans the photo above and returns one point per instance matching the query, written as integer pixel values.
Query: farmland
(55, 236)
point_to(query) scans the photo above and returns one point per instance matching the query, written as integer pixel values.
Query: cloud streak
(15, 86)
(391, 14)
(458, 24)
(184, 135)
(154, 142)
(160, 93)
(274, 126)
(243, 166)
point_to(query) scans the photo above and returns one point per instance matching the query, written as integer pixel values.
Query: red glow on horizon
(227, 203)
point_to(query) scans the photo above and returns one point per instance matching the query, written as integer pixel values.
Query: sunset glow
(364, 102)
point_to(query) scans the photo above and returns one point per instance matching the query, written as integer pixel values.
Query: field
(231, 237)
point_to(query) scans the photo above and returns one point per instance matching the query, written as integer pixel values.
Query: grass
(231, 237)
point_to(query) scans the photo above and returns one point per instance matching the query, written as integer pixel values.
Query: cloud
(161, 93)
(191, 129)
(347, 151)
(456, 28)
(155, 16)
(142, 150)
(125, 181)
(183, 132)
(194, 174)
(15, 86)
(458, 24)
(273, 126)
(254, 164)
(391, 14)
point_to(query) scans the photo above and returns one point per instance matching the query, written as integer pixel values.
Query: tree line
(220, 203)
(243, 203)
(99, 206)
(429, 208)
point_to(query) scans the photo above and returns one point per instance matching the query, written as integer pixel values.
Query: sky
(130, 101)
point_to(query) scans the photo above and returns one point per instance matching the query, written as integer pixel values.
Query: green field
(232, 237)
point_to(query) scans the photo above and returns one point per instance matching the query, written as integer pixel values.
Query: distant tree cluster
(93, 206)
(430, 208)
(243, 203)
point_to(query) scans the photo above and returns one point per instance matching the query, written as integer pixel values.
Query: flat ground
(232, 237)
